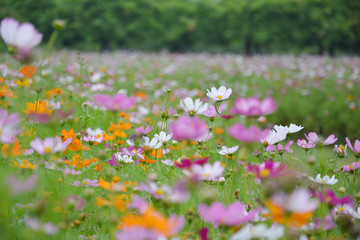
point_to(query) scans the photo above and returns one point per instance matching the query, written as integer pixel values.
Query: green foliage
(248, 26)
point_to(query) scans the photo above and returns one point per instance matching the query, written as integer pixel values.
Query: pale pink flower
(49, 145)
(211, 111)
(23, 37)
(234, 215)
(9, 126)
(18, 186)
(313, 137)
(304, 144)
(186, 128)
(118, 102)
(356, 148)
(86, 183)
(249, 135)
(253, 107)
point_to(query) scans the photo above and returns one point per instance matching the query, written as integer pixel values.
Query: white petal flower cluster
(325, 180)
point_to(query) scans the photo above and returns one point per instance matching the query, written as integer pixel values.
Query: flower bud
(59, 24)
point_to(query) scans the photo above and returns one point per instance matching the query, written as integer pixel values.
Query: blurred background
(239, 26)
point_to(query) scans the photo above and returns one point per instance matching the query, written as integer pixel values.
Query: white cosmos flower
(290, 129)
(275, 136)
(154, 143)
(95, 132)
(259, 231)
(192, 107)
(123, 158)
(207, 172)
(219, 94)
(325, 180)
(355, 214)
(163, 137)
(226, 151)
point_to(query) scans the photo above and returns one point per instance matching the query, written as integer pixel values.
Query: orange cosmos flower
(79, 164)
(117, 130)
(153, 220)
(111, 186)
(37, 108)
(28, 71)
(24, 164)
(53, 92)
(124, 115)
(116, 202)
(75, 145)
(12, 150)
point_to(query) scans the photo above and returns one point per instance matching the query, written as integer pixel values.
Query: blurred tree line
(245, 26)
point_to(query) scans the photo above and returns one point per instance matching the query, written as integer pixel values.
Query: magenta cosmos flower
(187, 128)
(23, 37)
(253, 107)
(356, 148)
(313, 137)
(234, 215)
(118, 102)
(268, 169)
(9, 126)
(330, 198)
(49, 145)
(250, 135)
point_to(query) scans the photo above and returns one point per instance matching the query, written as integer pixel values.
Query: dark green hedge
(246, 26)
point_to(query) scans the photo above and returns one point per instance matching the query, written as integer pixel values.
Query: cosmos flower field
(129, 145)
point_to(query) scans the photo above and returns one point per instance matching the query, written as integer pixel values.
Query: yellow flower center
(322, 181)
(342, 147)
(206, 174)
(341, 209)
(116, 106)
(84, 182)
(265, 173)
(219, 96)
(351, 166)
(48, 150)
(159, 191)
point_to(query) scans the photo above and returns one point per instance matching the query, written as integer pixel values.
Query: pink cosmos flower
(356, 148)
(211, 111)
(143, 130)
(138, 234)
(251, 135)
(17, 186)
(49, 145)
(330, 198)
(280, 148)
(304, 144)
(23, 37)
(268, 169)
(92, 139)
(234, 215)
(350, 167)
(9, 126)
(118, 102)
(86, 183)
(253, 107)
(313, 137)
(187, 128)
